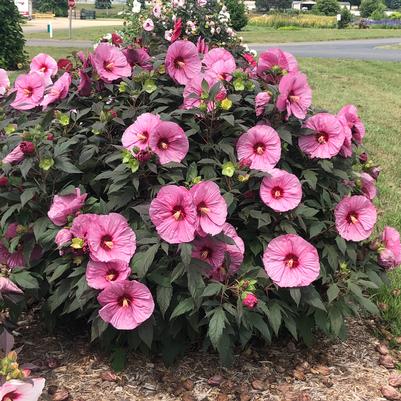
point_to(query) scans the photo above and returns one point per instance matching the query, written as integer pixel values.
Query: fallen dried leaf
(397, 340)
(395, 379)
(108, 376)
(244, 396)
(387, 361)
(222, 397)
(322, 370)
(215, 380)
(298, 374)
(60, 395)
(382, 349)
(304, 397)
(258, 385)
(390, 393)
(188, 397)
(188, 384)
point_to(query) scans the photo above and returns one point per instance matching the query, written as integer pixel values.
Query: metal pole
(70, 18)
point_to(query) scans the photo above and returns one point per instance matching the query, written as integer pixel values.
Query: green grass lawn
(374, 87)
(91, 33)
(259, 34)
(102, 13)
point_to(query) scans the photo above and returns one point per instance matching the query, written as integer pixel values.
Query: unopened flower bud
(243, 177)
(250, 300)
(3, 181)
(374, 172)
(27, 147)
(363, 158)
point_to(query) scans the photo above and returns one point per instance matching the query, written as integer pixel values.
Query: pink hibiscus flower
(261, 146)
(281, 190)
(64, 206)
(18, 390)
(350, 114)
(63, 237)
(174, 214)
(110, 238)
(346, 149)
(220, 63)
(295, 95)
(100, 274)
(368, 185)
(139, 57)
(169, 142)
(138, 134)
(210, 206)
(45, 65)
(193, 92)
(110, 63)
(202, 45)
(261, 100)
(4, 82)
(390, 256)
(58, 91)
(274, 63)
(85, 84)
(355, 218)
(290, 261)
(6, 286)
(15, 156)
(235, 255)
(327, 137)
(126, 304)
(182, 61)
(81, 226)
(209, 251)
(148, 25)
(30, 90)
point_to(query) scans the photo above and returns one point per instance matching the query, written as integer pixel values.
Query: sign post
(71, 5)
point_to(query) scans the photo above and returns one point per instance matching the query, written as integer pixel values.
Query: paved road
(364, 49)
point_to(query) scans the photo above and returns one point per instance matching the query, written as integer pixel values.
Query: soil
(330, 370)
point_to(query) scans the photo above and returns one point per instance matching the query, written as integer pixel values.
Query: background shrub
(346, 18)
(369, 6)
(101, 4)
(327, 7)
(12, 37)
(57, 7)
(238, 13)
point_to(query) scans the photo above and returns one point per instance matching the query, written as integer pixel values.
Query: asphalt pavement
(364, 49)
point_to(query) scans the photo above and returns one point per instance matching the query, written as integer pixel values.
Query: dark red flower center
(205, 253)
(143, 136)
(179, 62)
(352, 217)
(125, 300)
(28, 91)
(322, 137)
(112, 275)
(11, 396)
(43, 68)
(178, 213)
(108, 66)
(107, 242)
(259, 148)
(202, 209)
(291, 260)
(277, 192)
(163, 144)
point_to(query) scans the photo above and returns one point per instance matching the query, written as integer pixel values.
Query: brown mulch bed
(331, 370)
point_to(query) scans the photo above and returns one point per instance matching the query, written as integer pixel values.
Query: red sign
(71, 3)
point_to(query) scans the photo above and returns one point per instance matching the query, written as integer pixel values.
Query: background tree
(393, 4)
(57, 7)
(12, 37)
(346, 18)
(103, 4)
(238, 13)
(369, 6)
(327, 7)
(265, 5)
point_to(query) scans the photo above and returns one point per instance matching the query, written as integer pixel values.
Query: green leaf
(274, 317)
(186, 253)
(212, 289)
(145, 332)
(217, 324)
(24, 279)
(99, 326)
(306, 211)
(119, 359)
(369, 305)
(342, 245)
(66, 166)
(39, 227)
(316, 228)
(163, 296)
(336, 320)
(27, 195)
(295, 295)
(184, 306)
(311, 178)
(141, 261)
(312, 297)
(332, 292)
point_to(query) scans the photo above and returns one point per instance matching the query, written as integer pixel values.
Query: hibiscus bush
(189, 197)
(193, 20)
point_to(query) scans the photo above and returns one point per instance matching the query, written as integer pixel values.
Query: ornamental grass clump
(187, 197)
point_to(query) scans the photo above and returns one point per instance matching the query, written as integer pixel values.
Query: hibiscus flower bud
(386, 258)
(243, 177)
(226, 104)
(77, 243)
(50, 137)
(250, 300)
(64, 64)
(245, 163)
(228, 169)
(374, 172)
(363, 158)
(27, 147)
(375, 245)
(3, 181)
(143, 156)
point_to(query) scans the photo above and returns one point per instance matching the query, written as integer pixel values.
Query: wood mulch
(331, 370)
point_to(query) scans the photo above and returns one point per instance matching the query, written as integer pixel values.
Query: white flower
(157, 10)
(168, 35)
(218, 29)
(136, 7)
(148, 25)
(107, 36)
(212, 31)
